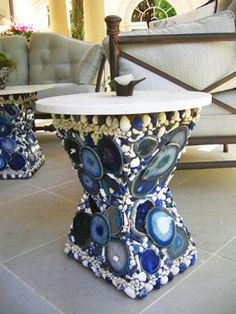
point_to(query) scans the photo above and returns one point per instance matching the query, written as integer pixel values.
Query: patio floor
(37, 277)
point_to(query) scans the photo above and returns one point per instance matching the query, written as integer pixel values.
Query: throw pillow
(191, 16)
(88, 66)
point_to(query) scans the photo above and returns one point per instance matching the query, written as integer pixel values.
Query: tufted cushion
(191, 16)
(89, 65)
(16, 49)
(54, 58)
(199, 65)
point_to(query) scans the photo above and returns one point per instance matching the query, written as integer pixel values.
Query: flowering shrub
(14, 28)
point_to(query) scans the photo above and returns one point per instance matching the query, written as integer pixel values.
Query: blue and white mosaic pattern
(20, 153)
(127, 229)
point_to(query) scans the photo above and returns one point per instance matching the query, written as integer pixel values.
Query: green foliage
(77, 19)
(5, 62)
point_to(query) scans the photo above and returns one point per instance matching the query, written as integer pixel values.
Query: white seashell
(83, 119)
(146, 120)
(125, 148)
(162, 117)
(188, 113)
(95, 119)
(108, 121)
(132, 263)
(132, 154)
(148, 287)
(187, 262)
(129, 133)
(142, 276)
(161, 131)
(125, 124)
(103, 193)
(115, 124)
(176, 115)
(130, 292)
(164, 280)
(175, 270)
(85, 263)
(135, 162)
(124, 79)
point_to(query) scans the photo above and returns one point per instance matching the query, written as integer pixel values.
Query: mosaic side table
(124, 149)
(20, 153)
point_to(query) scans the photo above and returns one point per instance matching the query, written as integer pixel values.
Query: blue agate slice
(110, 155)
(12, 111)
(115, 217)
(89, 184)
(81, 229)
(8, 144)
(100, 229)
(107, 183)
(146, 146)
(180, 244)
(179, 136)
(150, 261)
(2, 163)
(72, 148)
(162, 162)
(17, 161)
(5, 129)
(140, 187)
(141, 213)
(117, 256)
(91, 162)
(160, 226)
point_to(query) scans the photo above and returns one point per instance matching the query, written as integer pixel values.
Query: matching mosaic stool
(127, 228)
(20, 153)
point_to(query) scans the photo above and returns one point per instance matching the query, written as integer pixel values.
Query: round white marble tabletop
(23, 89)
(110, 104)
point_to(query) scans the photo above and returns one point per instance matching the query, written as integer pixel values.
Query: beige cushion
(199, 65)
(192, 16)
(88, 66)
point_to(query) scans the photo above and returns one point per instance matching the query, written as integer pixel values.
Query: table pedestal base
(20, 153)
(127, 229)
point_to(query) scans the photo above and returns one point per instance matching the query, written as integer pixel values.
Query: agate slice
(81, 229)
(140, 187)
(2, 163)
(89, 184)
(180, 244)
(160, 226)
(5, 129)
(150, 261)
(162, 162)
(100, 229)
(179, 136)
(8, 144)
(110, 155)
(115, 217)
(146, 146)
(91, 162)
(17, 161)
(117, 256)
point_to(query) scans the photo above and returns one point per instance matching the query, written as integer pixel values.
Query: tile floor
(36, 276)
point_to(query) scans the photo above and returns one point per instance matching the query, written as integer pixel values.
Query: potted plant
(6, 66)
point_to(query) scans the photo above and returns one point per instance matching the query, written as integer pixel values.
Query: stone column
(94, 20)
(58, 16)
